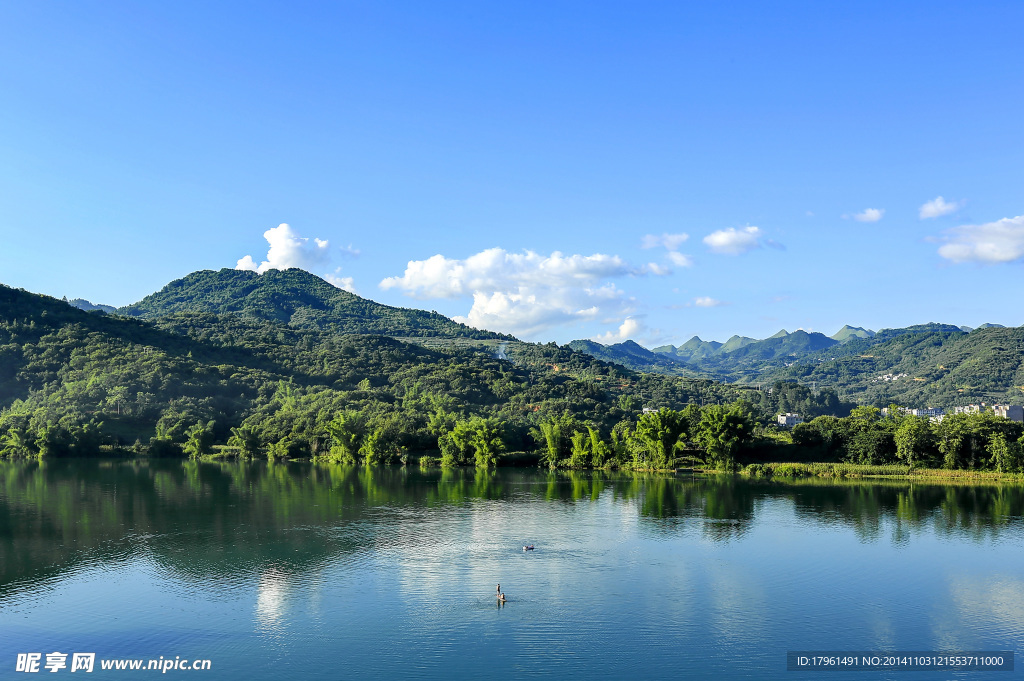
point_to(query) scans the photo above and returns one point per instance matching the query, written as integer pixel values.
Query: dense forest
(217, 379)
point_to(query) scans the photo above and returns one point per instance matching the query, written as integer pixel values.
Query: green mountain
(634, 356)
(74, 382)
(735, 343)
(791, 345)
(297, 299)
(692, 349)
(924, 365)
(847, 332)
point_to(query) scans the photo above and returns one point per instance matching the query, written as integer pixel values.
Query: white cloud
(497, 269)
(732, 241)
(523, 293)
(680, 259)
(706, 301)
(869, 215)
(670, 242)
(288, 249)
(938, 207)
(344, 283)
(992, 242)
(631, 328)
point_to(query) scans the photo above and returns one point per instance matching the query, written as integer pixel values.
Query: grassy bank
(849, 470)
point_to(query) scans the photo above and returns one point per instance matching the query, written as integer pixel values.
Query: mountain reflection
(223, 521)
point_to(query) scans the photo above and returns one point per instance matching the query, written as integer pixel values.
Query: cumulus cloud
(732, 241)
(523, 293)
(670, 242)
(631, 328)
(992, 242)
(869, 215)
(707, 301)
(938, 207)
(288, 249)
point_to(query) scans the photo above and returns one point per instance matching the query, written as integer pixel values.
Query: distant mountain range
(920, 365)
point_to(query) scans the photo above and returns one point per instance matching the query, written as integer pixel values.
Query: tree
(488, 441)
(17, 442)
(1006, 456)
(347, 431)
(246, 439)
(549, 433)
(599, 449)
(722, 430)
(199, 440)
(579, 450)
(657, 437)
(912, 439)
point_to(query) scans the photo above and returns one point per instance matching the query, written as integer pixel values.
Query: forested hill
(298, 299)
(930, 365)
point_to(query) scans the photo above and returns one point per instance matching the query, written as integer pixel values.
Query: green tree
(247, 440)
(657, 437)
(722, 430)
(913, 439)
(346, 431)
(549, 433)
(579, 450)
(1006, 456)
(199, 440)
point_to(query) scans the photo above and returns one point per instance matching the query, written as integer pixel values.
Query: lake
(330, 572)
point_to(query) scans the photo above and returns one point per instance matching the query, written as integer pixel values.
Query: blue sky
(651, 170)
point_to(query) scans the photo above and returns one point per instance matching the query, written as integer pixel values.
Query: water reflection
(269, 520)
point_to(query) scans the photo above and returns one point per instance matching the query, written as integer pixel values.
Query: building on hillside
(1014, 412)
(788, 420)
(969, 409)
(928, 412)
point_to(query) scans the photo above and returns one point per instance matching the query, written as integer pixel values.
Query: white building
(1014, 412)
(788, 420)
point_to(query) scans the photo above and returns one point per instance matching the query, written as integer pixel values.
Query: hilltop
(296, 299)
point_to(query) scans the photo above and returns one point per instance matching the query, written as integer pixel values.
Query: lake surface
(328, 572)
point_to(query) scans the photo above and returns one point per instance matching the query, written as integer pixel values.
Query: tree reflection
(220, 520)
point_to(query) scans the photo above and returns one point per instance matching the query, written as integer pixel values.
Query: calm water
(295, 570)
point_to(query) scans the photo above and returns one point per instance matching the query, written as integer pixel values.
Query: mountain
(794, 344)
(633, 356)
(991, 326)
(298, 299)
(913, 365)
(692, 349)
(923, 365)
(735, 343)
(847, 332)
(77, 383)
(83, 304)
